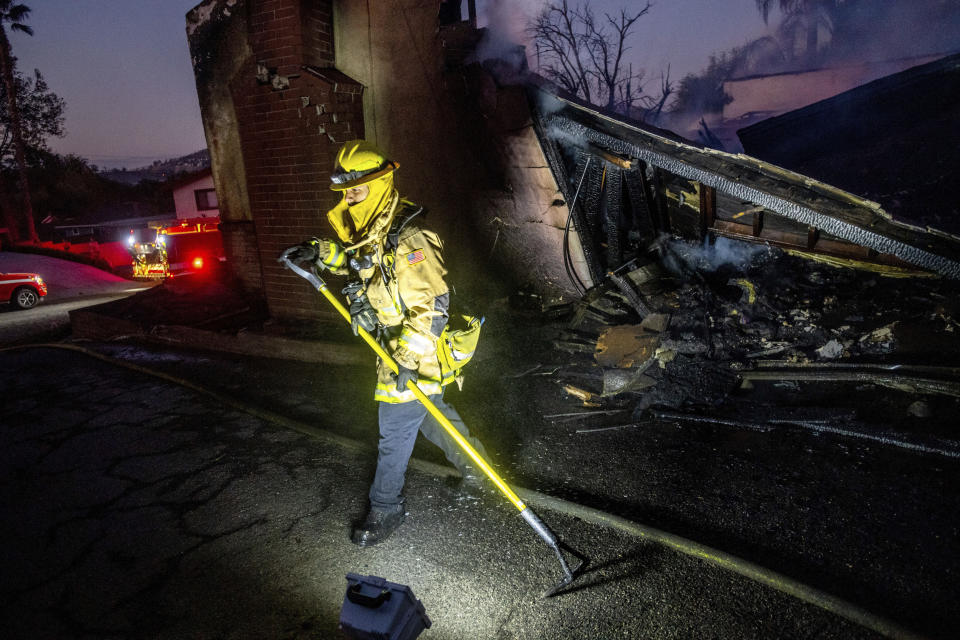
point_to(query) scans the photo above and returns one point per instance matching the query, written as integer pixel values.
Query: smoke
(842, 34)
(684, 258)
(565, 138)
(506, 23)
(549, 104)
(855, 32)
(889, 29)
(511, 17)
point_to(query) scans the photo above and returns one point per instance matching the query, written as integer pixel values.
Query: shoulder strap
(410, 211)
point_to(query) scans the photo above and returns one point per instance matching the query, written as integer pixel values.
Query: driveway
(71, 285)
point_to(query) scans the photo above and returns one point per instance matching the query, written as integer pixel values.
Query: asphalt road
(873, 524)
(138, 508)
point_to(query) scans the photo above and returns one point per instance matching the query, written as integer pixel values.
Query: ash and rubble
(753, 337)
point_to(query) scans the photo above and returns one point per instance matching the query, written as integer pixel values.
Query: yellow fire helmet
(360, 163)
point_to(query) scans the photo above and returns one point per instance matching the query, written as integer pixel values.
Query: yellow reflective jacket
(405, 285)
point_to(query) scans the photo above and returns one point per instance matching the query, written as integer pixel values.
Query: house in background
(194, 196)
(190, 234)
(192, 240)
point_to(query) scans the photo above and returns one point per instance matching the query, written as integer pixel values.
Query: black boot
(378, 526)
(470, 481)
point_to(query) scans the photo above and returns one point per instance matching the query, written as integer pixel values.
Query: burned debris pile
(749, 335)
(720, 288)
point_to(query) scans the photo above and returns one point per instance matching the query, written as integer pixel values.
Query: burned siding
(517, 209)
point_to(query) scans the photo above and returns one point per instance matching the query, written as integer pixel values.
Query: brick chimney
(275, 113)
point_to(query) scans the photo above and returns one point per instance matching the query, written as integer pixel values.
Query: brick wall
(292, 119)
(316, 20)
(240, 247)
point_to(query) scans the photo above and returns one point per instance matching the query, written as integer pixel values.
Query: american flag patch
(415, 257)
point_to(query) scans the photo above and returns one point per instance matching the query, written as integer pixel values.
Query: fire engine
(187, 246)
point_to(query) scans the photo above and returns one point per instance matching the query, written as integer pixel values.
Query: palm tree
(808, 13)
(14, 15)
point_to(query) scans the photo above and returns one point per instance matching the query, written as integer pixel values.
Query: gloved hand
(329, 254)
(405, 375)
(407, 366)
(362, 315)
(303, 252)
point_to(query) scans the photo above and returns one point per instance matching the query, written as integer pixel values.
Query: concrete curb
(90, 325)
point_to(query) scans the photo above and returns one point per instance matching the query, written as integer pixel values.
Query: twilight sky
(123, 66)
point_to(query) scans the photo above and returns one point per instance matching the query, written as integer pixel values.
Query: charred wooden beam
(888, 379)
(633, 298)
(708, 209)
(934, 371)
(591, 194)
(798, 241)
(620, 161)
(663, 215)
(638, 192)
(757, 223)
(612, 212)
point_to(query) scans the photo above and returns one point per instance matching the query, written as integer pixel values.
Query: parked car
(22, 290)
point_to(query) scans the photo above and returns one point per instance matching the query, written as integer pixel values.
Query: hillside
(161, 170)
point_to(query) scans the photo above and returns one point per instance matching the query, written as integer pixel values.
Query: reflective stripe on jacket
(335, 257)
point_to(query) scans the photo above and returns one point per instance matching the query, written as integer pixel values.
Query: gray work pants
(399, 424)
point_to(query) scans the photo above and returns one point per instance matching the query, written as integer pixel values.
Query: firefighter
(398, 293)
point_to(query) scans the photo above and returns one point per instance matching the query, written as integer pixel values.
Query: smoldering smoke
(684, 258)
(506, 24)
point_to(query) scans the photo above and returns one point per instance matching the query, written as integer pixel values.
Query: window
(206, 199)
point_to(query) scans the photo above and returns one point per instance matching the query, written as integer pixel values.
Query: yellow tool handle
(432, 408)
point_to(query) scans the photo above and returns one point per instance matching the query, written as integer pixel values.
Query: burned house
(493, 156)
(583, 212)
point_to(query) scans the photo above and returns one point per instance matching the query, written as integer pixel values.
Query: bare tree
(585, 55)
(13, 15)
(654, 107)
